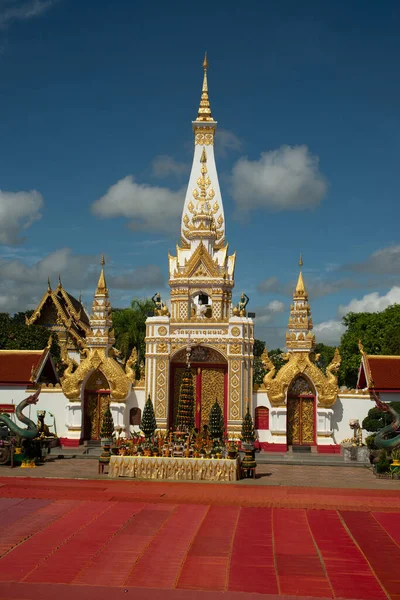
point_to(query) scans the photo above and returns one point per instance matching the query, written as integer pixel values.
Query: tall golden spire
(299, 336)
(204, 113)
(101, 285)
(48, 285)
(300, 287)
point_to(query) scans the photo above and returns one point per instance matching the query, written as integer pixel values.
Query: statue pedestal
(355, 454)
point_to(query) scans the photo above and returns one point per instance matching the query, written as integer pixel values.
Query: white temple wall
(347, 407)
(53, 402)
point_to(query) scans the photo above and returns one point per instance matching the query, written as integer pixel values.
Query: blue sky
(307, 99)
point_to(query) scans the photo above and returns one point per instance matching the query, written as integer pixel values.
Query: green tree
(185, 416)
(248, 431)
(148, 424)
(258, 369)
(379, 333)
(216, 422)
(16, 335)
(107, 425)
(326, 354)
(130, 327)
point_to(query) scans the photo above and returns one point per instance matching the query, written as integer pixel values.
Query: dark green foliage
(258, 369)
(185, 416)
(377, 419)
(130, 327)
(107, 425)
(16, 335)
(258, 347)
(216, 422)
(383, 464)
(248, 431)
(148, 424)
(379, 333)
(326, 354)
(370, 442)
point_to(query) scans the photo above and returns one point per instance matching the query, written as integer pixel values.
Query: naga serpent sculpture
(31, 431)
(380, 438)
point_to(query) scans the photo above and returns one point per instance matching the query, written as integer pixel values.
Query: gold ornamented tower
(300, 394)
(202, 320)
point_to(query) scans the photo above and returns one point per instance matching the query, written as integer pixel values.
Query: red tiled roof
(16, 365)
(384, 372)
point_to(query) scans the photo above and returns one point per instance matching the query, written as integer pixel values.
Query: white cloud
(18, 210)
(150, 208)
(268, 312)
(372, 302)
(285, 179)
(23, 285)
(226, 141)
(14, 10)
(164, 165)
(329, 332)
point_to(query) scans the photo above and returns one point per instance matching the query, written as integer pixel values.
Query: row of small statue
(199, 309)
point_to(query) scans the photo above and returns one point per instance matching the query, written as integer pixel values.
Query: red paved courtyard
(112, 539)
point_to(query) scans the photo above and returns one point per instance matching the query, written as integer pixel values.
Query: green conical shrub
(216, 422)
(185, 416)
(107, 425)
(148, 424)
(248, 431)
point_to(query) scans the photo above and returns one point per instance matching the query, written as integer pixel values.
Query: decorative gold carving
(235, 331)
(162, 347)
(301, 363)
(234, 385)
(201, 353)
(96, 405)
(160, 407)
(162, 330)
(301, 421)
(204, 136)
(97, 358)
(235, 348)
(130, 366)
(212, 388)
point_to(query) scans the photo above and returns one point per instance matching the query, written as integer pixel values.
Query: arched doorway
(301, 413)
(96, 399)
(210, 376)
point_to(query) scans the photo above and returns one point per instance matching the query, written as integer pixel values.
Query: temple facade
(201, 321)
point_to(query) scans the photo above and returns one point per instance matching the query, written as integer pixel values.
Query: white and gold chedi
(201, 280)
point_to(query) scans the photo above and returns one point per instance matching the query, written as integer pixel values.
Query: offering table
(176, 469)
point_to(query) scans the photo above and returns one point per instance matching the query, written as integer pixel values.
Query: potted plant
(396, 457)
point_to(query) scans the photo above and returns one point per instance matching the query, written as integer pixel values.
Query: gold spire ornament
(101, 285)
(48, 285)
(204, 113)
(300, 287)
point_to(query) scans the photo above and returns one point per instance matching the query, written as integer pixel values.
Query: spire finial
(204, 113)
(59, 280)
(102, 262)
(48, 285)
(301, 260)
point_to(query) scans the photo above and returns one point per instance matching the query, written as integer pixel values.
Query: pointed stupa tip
(48, 285)
(102, 286)
(300, 287)
(204, 113)
(59, 281)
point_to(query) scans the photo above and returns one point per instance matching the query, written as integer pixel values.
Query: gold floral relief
(212, 388)
(293, 421)
(307, 421)
(162, 330)
(235, 331)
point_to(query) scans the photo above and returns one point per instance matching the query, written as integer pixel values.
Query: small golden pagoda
(99, 378)
(64, 315)
(300, 390)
